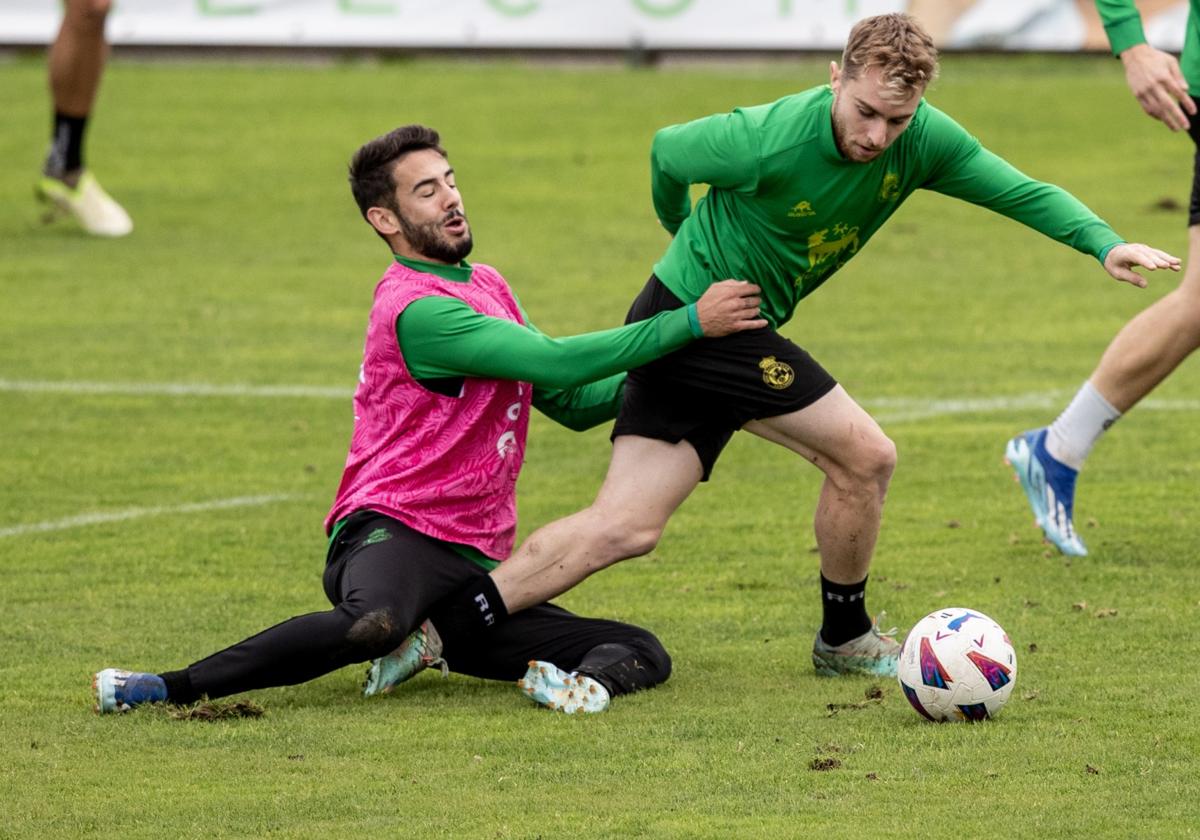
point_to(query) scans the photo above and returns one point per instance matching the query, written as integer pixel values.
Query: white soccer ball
(957, 664)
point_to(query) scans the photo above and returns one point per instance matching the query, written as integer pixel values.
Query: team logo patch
(776, 374)
(800, 210)
(889, 190)
(377, 536)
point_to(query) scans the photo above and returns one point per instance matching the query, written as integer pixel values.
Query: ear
(383, 220)
(835, 75)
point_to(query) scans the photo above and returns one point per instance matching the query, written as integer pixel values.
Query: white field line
(886, 409)
(176, 389)
(907, 409)
(140, 513)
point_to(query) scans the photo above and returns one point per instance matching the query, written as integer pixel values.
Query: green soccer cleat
(874, 654)
(550, 686)
(86, 202)
(421, 649)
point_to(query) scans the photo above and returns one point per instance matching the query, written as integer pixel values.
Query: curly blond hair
(899, 46)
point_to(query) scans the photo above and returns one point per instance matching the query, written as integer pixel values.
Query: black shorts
(709, 389)
(1194, 130)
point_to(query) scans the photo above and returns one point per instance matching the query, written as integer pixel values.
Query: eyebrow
(429, 181)
(873, 110)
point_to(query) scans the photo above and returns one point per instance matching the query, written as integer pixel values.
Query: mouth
(455, 225)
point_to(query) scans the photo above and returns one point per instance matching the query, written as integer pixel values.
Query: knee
(653, 657)
(375, 633)
(632, 539)
(873, 462)
(607, 537)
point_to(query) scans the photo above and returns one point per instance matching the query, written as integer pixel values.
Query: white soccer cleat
(87, 203)
(550, 686)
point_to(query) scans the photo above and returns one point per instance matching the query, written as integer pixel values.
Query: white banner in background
(588, 24)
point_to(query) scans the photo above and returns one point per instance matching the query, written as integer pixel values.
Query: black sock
(623, 670)
(179, 687)
(844, 611)
(475, 608)
(66, 145)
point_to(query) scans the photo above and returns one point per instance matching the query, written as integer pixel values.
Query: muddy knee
(375, 633)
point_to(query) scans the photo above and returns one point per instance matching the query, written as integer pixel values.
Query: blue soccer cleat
(1050, 487)
(120, 691)
(550, 686)
(873, 654)
(422, 648)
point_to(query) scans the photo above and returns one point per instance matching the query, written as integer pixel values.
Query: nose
(877, 133)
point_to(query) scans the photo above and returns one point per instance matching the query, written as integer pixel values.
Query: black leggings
(383, 578)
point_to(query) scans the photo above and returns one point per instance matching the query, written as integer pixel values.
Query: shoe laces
(879, 619)
(431, 641)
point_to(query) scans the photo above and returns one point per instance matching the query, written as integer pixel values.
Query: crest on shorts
(776, 374)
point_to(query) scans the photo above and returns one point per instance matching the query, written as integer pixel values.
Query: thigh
(828, 432)
(378, 563)
(545, 632)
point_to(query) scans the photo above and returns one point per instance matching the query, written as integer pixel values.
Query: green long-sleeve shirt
(576, 380)
(785, 210)
(1123, 25)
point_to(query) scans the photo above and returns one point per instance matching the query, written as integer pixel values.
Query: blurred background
(588, 24)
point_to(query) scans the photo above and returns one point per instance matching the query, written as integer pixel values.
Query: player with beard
(427, 501)
(796, 188)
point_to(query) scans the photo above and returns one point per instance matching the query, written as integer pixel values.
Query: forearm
(1122, 24)
(582, 407)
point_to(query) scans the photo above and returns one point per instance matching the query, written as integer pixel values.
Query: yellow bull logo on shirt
(827, 255)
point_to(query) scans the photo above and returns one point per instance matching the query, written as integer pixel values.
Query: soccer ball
(957, 664)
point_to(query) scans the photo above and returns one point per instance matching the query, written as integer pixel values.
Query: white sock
(1071, 437)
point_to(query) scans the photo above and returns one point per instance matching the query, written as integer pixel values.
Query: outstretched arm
(968, 171)
(443, 337)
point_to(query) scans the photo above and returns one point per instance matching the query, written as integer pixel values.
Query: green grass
(250, 265)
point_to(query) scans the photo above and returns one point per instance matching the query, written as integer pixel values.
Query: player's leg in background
(1156, 341)
(858, 459)
(565, 662)
(1146, 350)
(76, 64)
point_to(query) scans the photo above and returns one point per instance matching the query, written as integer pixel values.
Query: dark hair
(371, 167)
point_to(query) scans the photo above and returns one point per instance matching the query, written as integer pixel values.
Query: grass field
(250, 269)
